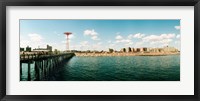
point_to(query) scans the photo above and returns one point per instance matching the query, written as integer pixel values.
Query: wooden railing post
(29, 71)
(37, 71)
(20, 71)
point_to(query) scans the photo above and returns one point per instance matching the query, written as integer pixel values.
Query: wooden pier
(43, 65)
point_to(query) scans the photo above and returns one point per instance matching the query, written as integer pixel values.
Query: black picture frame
(4, 3)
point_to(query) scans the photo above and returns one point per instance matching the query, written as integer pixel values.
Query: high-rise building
(49, 48)
(28, 49)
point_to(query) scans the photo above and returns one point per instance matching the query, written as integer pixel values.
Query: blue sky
(100, 34)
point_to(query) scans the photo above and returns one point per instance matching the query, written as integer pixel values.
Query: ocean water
(116, 68)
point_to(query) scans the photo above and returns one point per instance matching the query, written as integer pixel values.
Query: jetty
(42, 64)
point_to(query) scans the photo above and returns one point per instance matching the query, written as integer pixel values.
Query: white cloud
(36, 40)
(156, 38)
(130, 36)
(139, 44)
(129, 43)
(166, 41)
(152, 38)
(123, 41)
(138, 35)
(24, 43)
(167, 36)
(119, 37)
(35, 37)
(84, 43)
(95, 38)
(177, 27)
(33, 40)
(159, 40)
(92, 34)
(99, 43)
(112, 44)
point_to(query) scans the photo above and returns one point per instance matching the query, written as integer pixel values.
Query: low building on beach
(128, 49)
(170, 49)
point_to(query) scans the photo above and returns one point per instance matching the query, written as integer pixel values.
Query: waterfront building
(148, 49)
(145, 49)
(115, 51)
(88, 51)
(101, 51)
(123, 50)
(49, 48)
(161, 50)
(137, 49)
(56, 51)
(111, 50)
(170, 49)
(28, 49)
(128, 49)
(40, 49)
(132, 50)
(95, 51)
(156, 50)
(141, 49)
(152, 50)
(74, 51)
(21, 49)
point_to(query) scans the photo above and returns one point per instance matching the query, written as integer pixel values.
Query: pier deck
(43, 65)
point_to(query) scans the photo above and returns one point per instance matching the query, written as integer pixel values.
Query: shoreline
(126, 54)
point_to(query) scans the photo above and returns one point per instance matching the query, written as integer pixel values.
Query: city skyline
(100, 34)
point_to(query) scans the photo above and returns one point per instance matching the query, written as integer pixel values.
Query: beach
(128, 54)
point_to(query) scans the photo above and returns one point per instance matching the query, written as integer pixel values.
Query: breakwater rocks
(128, 54)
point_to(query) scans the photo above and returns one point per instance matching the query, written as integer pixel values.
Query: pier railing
(41, 66)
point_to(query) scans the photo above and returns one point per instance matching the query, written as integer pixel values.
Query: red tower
(67, 34)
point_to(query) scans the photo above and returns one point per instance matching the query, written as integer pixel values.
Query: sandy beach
(128, 54)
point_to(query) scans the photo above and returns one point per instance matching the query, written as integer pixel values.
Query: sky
(100, 34)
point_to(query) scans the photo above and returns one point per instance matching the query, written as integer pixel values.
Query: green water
(115, 68)
(125, 68)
